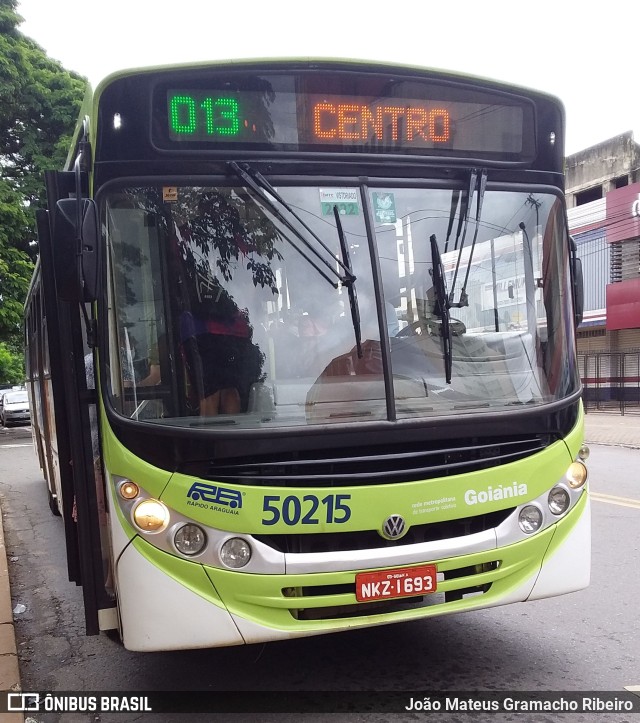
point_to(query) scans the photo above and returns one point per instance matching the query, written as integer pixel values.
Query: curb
(9, 669)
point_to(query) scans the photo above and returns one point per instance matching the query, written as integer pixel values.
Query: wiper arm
(350, 283)
(465, 206)
(266, 192)
(455, 199)
(481, 186)
(442, 306)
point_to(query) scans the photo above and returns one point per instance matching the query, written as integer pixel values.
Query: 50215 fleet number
(308, 510)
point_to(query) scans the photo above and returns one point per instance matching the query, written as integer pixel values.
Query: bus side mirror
(578, 290)
(578, 283)
(75, 249)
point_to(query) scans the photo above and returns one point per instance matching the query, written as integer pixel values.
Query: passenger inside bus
(222, 360)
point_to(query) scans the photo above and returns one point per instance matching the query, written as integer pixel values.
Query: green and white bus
(300, 345)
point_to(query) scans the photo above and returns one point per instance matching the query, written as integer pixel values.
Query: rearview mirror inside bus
(76, 249)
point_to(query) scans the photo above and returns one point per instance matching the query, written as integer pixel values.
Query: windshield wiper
(351, 289)
(267, 194)
(442, 306)
(481, 185)
(463, 218)
(271, 198)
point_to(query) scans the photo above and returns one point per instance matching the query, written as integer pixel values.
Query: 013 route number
(307, 510)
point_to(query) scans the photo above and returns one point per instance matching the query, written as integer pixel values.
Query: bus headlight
(128, 490)
(151, 516)
(559, 501)
(584, 453)
(235, 553)
(190, 539)
(576, 475)
(530, 519)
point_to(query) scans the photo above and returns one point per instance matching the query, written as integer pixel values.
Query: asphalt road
(586, 641)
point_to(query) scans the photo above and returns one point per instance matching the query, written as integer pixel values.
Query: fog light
(151, 516)
(530, 519)
(235, 552)
(190, 539)
(584, 453)
(128, 490)
(576, 475)
(559, 501)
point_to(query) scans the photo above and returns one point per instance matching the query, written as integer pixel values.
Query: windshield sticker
(169, 193)
(346, 199)
(384, 207)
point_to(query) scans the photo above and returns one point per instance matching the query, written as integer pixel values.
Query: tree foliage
(15, 265)
(39, 104)
(11, 368)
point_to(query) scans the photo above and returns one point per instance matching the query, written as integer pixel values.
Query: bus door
(80, 485)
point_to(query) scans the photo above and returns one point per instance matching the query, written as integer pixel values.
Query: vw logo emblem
(394, 527)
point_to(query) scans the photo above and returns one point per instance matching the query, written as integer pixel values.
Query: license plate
(388, 584)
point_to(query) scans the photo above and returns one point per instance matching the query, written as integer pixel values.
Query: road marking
(28, 444)
(612, 500)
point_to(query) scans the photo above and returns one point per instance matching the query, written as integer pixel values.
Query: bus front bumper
(168, 603)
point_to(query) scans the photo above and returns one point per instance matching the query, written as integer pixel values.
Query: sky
(583, 53)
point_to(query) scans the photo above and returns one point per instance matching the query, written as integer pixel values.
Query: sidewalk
(611, 428)
(9, 671)
(600, 428)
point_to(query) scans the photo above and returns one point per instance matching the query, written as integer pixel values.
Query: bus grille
(370, 539)
(458, 584)
(384, 464)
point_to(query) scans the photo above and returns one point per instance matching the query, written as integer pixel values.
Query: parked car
(14, 407)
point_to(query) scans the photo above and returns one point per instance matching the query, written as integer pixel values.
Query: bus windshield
(225, 310)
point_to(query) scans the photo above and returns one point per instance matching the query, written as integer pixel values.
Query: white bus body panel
(569, 568)
(157, 613)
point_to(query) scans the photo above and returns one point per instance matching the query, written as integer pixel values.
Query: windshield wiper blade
(350, 284)
(455, 199)
(268, 187)
(271, 198)
(442, 306)
(265, 191)
(481, 186)
(465, 207)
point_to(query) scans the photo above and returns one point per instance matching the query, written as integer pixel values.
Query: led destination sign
(424, 119)
(214, 118)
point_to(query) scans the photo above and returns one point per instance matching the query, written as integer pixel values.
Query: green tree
(15, 265)
(39, 104)
(11, 367)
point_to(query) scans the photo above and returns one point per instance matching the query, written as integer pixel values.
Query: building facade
(603, 207)
(603, 200)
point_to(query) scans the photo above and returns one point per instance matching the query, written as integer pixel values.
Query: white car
(14, 407)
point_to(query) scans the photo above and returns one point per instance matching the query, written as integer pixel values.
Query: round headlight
(576, 475)
(151, 516)
(235, 553)
(559, 500)
(530, 519)
(584, 453)
(190, 539)
(128, 490)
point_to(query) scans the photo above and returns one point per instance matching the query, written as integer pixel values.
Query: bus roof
(353, 63)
